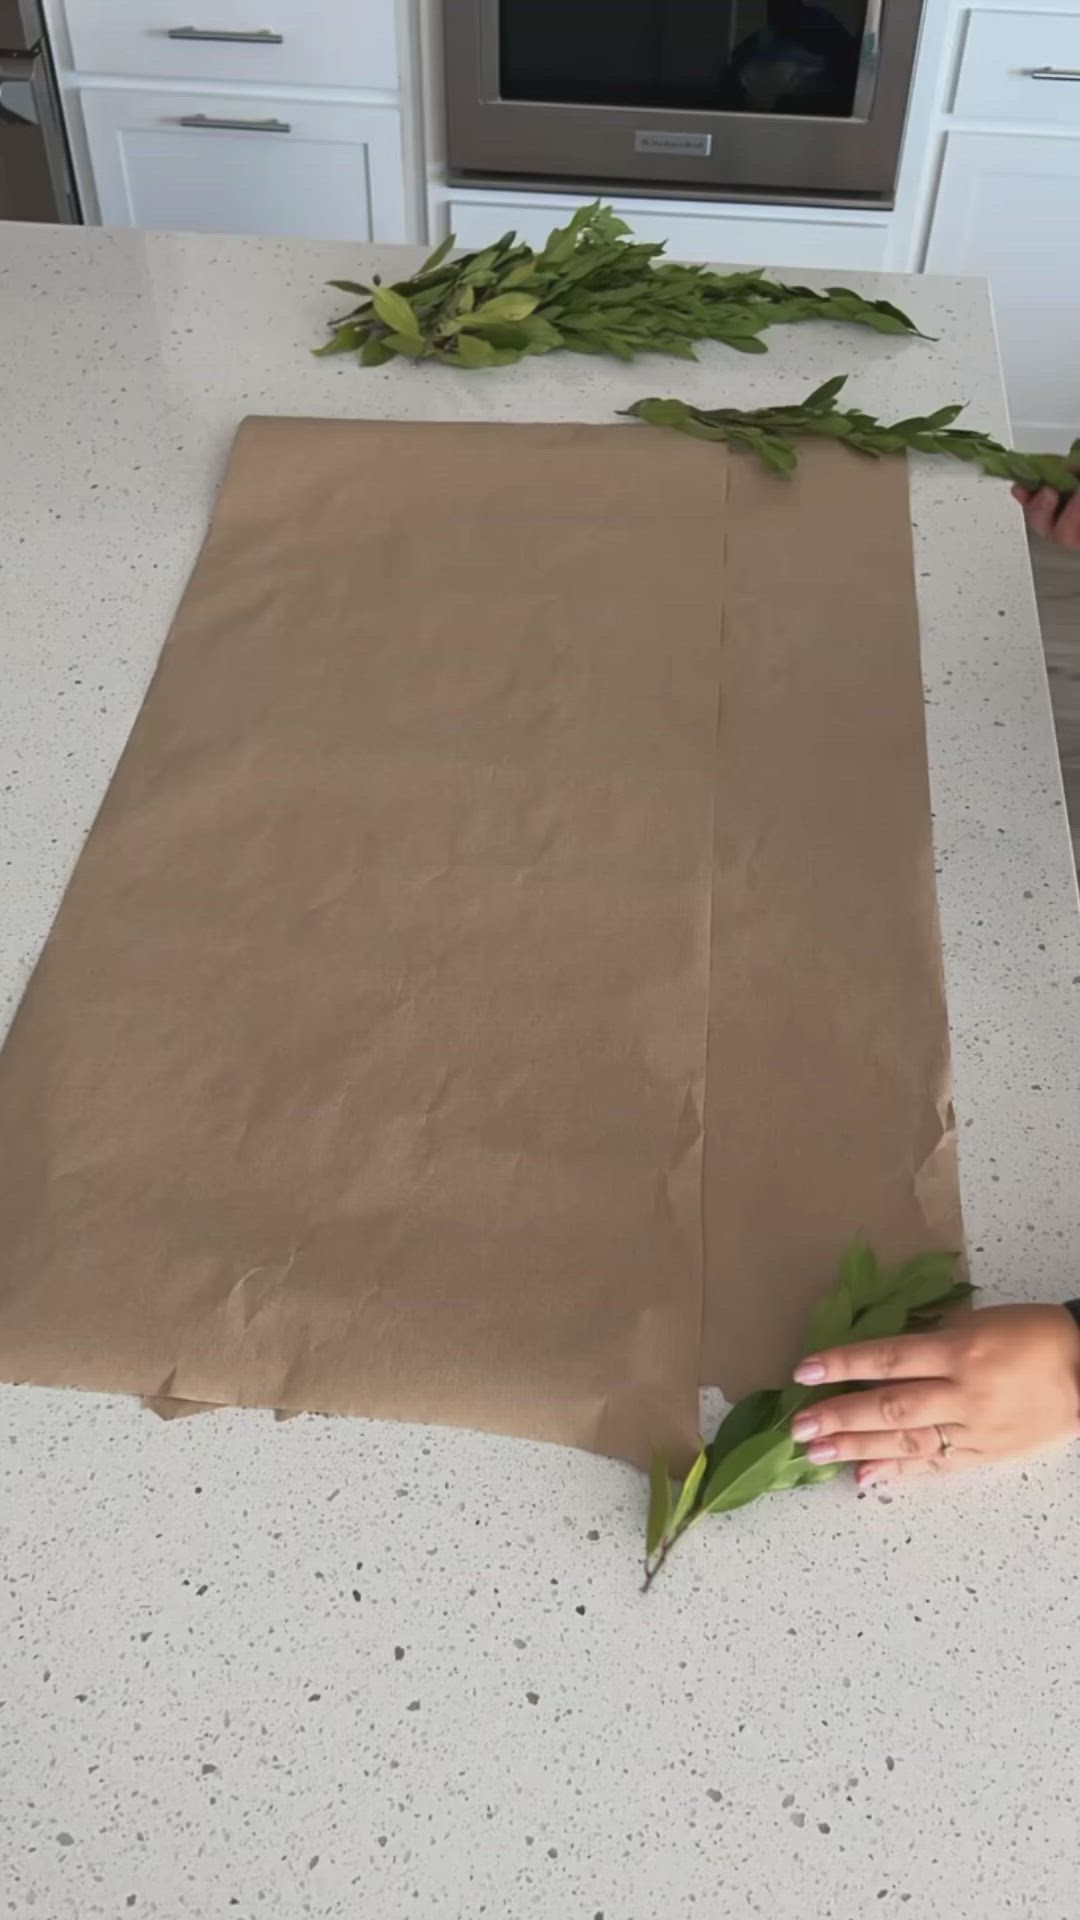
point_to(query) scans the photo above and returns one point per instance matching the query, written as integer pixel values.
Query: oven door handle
(1052, 73)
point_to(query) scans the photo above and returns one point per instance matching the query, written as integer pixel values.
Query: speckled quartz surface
(340, 1668)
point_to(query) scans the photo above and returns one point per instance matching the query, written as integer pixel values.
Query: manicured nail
(821, 1452)
(866, 1477)
(810, 1373)
(805, 1427)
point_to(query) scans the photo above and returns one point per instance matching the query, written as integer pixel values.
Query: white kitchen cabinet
(1022, 65)
(241, 163)
(1008, 206)
(751, 238)
(291, 43)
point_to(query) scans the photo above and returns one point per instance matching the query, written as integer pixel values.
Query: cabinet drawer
(741, 239)
(1021, 66)
(293, 42)
(242, 163)
(1004, 202)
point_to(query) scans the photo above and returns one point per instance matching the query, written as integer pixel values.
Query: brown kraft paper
(828, 1108)
(363, 1069)
(428, 910)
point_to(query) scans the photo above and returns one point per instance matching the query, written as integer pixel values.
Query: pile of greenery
(590, 290)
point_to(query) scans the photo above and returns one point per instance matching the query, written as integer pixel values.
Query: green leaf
(606, 225)
(755, 1413)
(507, 336)
(617, 345)
(474, 352)
(684, 1505)
(882, 1322)
(351, 286)
(886, 306)
(779, 455)
(540, 334)
(749, 1470)
(581, 343)
(920, 1283)
(830, 1322)
(935, 1265)
(660, 413)
(882, 322)
(861, 1275)
(344, 339)
(562, 242)
(395, 312)
(822, 397)
(409, 345)
(502, 311)
(930, 1316)
(476, 265)
(794, 1398)
(749, 345)
(1053, 471)
(375, 353)
(436, 259)
(661, 1503)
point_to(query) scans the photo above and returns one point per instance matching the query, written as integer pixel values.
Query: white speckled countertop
(363, 1672)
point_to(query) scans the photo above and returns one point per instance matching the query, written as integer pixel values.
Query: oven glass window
(721, 56)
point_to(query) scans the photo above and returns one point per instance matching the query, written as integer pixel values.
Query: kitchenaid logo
(696, 143)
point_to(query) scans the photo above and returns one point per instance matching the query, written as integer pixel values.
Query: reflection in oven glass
(721, 56)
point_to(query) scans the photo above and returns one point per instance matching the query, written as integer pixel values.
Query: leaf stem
(651, 1570)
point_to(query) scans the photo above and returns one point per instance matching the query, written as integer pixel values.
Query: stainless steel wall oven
(770, 99)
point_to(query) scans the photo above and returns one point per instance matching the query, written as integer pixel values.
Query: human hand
(1041, 511)
(991, 1385)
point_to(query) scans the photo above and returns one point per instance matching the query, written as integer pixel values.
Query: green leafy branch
(771, 433)
(752, 1452)
(590, 289)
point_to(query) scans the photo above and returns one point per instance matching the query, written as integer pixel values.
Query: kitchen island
(347, 1668)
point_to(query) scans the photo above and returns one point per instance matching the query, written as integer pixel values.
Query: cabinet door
(235, 163)
(714, 236)
(1008, 206)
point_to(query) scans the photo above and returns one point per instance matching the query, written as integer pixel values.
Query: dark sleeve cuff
(1073, 1307)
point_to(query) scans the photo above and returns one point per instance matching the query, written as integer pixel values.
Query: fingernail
(821, 1452)
(805, 1427)
(865, 1477)
(810, 1373)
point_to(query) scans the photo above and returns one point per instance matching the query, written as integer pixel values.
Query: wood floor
(1057, 584)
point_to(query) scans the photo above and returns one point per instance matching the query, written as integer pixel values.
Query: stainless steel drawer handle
(1052, 73)
(258, 37)
(204, 120)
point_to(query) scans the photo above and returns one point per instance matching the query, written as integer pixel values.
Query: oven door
(776, 98)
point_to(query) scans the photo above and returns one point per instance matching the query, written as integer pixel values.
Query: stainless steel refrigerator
(36, 178)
